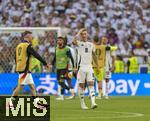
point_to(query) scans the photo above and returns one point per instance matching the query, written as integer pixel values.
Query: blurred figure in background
(36, 66)
(132, 64)
(119, 65)
(148, 60)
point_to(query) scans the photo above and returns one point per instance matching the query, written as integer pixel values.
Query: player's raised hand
(75, 41)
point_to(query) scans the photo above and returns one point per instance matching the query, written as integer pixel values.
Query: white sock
(92, 94)
(81, 94)
(59, 90)
(107, 87)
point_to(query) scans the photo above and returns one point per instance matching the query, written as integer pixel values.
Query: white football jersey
(73, 53)
(109, 60)
(85, 50)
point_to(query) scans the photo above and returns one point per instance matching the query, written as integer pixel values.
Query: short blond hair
(104, 38)
(82, 30)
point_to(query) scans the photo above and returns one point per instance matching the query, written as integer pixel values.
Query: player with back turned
(105, 62)
(24, 51)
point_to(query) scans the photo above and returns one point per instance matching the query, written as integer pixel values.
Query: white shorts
(85, 75)
(25, 79)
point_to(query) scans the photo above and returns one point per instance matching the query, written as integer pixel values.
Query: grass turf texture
(114, 109)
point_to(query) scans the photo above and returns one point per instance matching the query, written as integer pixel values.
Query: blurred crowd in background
(124, 22)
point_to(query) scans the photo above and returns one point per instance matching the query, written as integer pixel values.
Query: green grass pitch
(133, 108)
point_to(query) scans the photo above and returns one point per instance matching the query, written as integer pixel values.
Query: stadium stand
(125, 22)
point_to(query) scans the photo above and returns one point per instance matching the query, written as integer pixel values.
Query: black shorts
(62, 74)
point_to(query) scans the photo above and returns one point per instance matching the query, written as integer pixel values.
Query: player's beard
(61, 45)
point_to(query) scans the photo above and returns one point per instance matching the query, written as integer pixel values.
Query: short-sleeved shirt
(85, 50)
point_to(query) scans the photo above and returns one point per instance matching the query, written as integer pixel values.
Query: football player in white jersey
(86, 52)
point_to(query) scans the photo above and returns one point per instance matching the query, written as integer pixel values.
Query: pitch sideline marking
(129, 115)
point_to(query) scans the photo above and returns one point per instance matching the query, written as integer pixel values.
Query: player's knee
(100, 87)
(90, 83)
(81, 85)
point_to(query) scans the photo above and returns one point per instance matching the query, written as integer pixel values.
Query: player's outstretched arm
(71, 57)
(31, 51)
